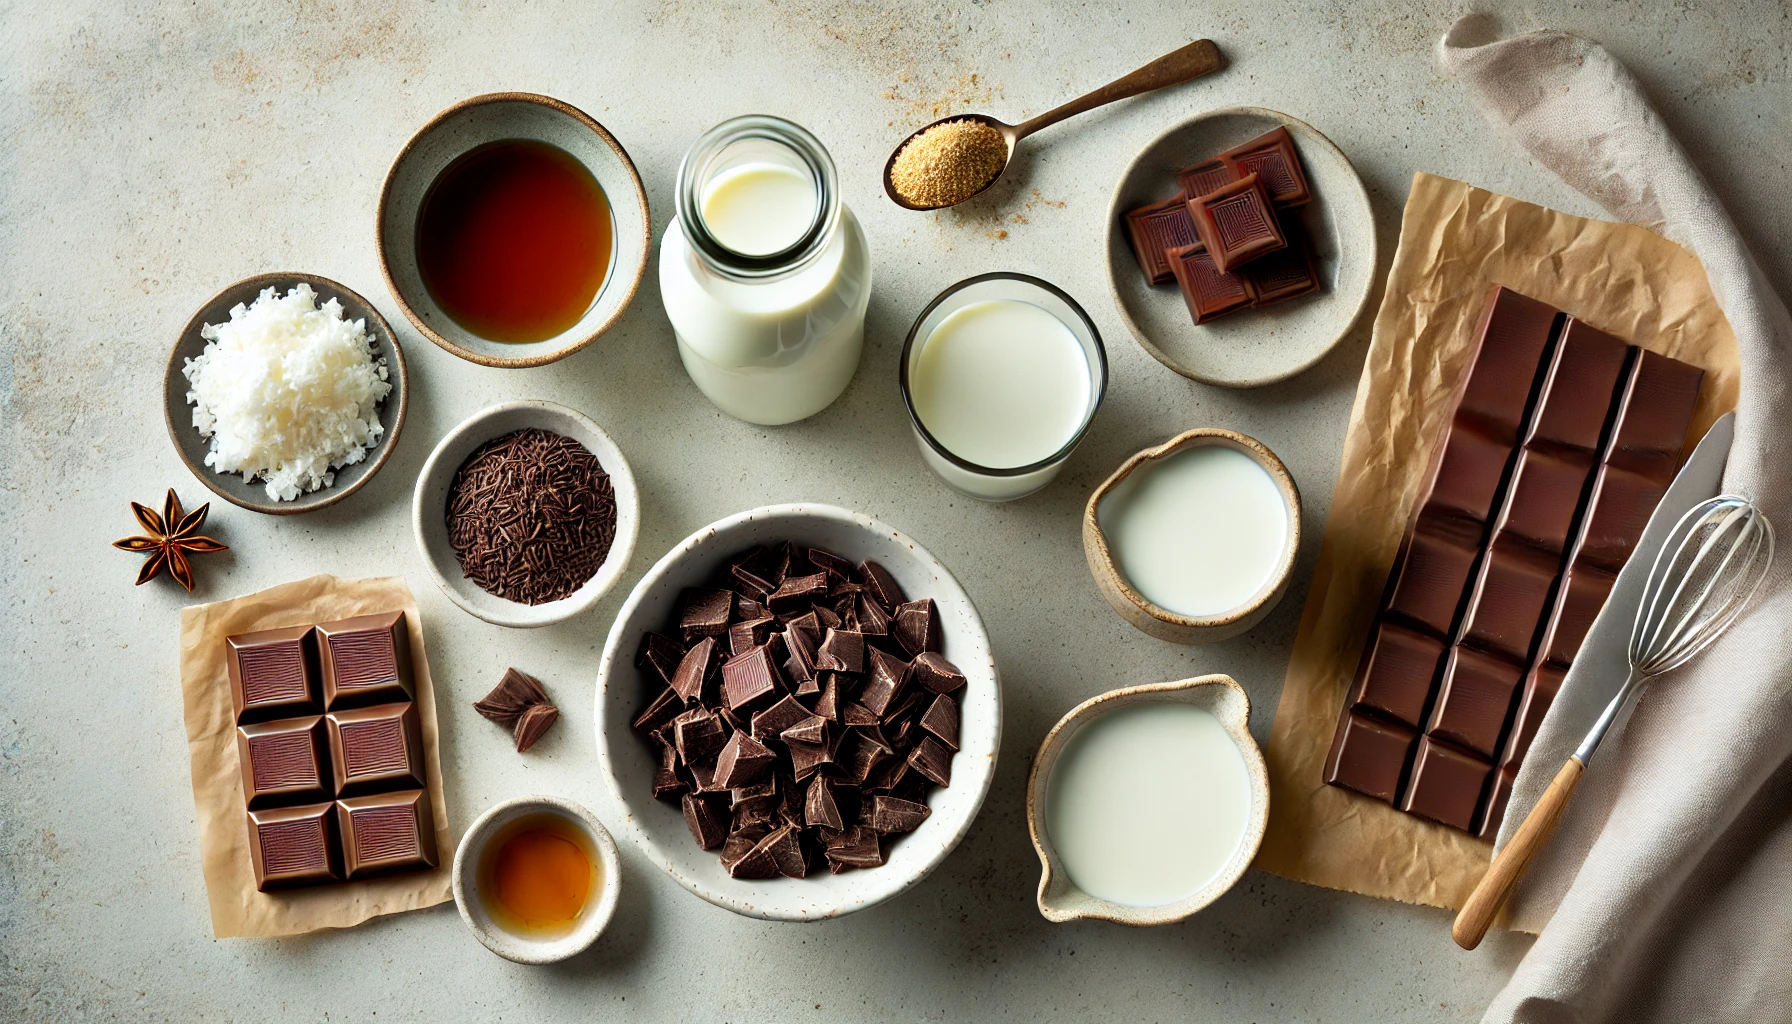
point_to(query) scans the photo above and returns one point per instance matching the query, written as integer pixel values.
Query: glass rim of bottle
(694, 173)
(1098, 373)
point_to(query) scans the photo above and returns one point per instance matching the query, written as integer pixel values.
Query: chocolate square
(1578, 386)
(375, 749)
(704, 612)
(365, 660)
(1473, 700)
(706, 819)
(1655, 409)
(1398, 670)
(1368, 755)
(1544, 495)
(383, 833)
(1432, 571)
(1541, 685)
(1511, 590)
(1622, 503)
(1470, 465)
(1514, 333)
(1204, 177)
(1236, 224)
(1273, 158)
(1446, 784)
(1580, 595)
(749, 678)
(881, 585)
(1156, 228)
(273, 674)
(1287, 274)
(284, 762)
(1208, 293)
(294, 846)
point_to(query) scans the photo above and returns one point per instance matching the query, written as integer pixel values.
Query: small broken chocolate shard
(749, 584)
(800, 659)
(830, 563)
(936, 673)
(808, 687)
(703, 776)
(758, 863)
(905, 709)
(873, 620)
(666, 783)
(534, 724)
(807, 758)
(932, 759)
(889, 774)
(809, 625)
(693, 668)
(511, 697)
(842, 650)
(748, 634)
(739, 844)
(765, 793)
(941, 719)
(706, 612)
(706, 819)
(787, 851)
(750, 609)
(820, 809)
(797, 591)
(887, 814)
(697, 734)
(827, 618)
(813, 729)
(661, 653)
(917, 626)
(748, 677)
(743, 760)
(827, 703)
(768, 724)
(858, 756)
(660, 711)
(888, 673)
(857, 848)
(882, 585)
(854, 713)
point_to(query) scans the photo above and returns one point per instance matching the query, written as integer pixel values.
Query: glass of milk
(764, 272)
(1002, 375)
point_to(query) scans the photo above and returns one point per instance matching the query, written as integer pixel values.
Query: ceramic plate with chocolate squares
(1242, 247)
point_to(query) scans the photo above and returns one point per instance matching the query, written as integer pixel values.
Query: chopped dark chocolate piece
(917, 626)
(365, 660)
(889, 774)
(1156, 228)
(887, 814)
(842, 650)
(511, 697)
(885, 682)
(749, 585)
(767, 725)
(796, 591)
(705, 612)
(820, 809)
(743, 760)
(1283, 275)
(809, 687)
(660, 711)
(666, 781)
(1201, 179)
(787, 851)
(1208, 293)
(739, 844)
(800, 659)
(703, 776)
(932, 759)
(808, 626)
(854, 713)
(807, 758)
(858, 756)
(827, 618)
(693, 668)
(294, 846)
(757, 864)
(1273, 158)
(697, 734)
(765, 793)
(904, 709)
(706, 819)
(813, 729)
(857, 848)
(830, 563)
(749, 609)
(936, 673)
(881, 585)
(748, 677)
(1236, 224)
(873, 620)
(827, 703)
(941, 719)
(747, 634)
(660, 652)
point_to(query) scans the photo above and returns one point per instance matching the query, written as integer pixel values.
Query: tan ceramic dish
(489, 118)
(1161, 622)
(1059, 898)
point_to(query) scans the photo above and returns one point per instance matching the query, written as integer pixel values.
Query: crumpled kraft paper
(238, 910)
(1456, 243)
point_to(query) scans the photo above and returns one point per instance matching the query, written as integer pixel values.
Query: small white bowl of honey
(536, 879)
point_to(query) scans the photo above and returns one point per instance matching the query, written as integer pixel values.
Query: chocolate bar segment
(1236, 224)
(284, 762)
(1272, 157)
(1208, 293)
(1446, 784)
(374, 749)
(385, 833)
(294, 846)
(365, 660)
(1369, 756)
(1154, 230)
(273, 674)
(1402, 664)
(1286, 274)
(1203, 178)
(1472, 699)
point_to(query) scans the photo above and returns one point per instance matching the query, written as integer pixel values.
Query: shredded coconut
(287, 392)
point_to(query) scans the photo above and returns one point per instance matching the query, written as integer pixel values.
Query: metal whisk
(1710, 565)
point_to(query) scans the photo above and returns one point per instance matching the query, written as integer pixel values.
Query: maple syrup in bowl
(513, 229)
(536, 879)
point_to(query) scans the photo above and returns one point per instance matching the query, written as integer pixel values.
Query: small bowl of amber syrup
(536, 879)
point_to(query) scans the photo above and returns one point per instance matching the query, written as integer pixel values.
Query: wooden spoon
(1192, 61)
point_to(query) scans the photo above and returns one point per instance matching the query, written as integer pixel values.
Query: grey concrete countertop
(154, 152)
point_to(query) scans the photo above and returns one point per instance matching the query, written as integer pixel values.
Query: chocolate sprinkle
(531, 516)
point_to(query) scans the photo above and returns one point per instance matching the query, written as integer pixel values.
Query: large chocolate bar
(1561, 442)
(366, 660)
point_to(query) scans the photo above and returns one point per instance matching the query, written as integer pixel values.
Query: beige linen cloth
(1666, 892)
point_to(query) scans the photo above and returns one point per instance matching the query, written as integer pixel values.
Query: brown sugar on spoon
(948, 163)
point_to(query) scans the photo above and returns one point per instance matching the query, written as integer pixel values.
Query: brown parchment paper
(1456, 243)
(238, 910)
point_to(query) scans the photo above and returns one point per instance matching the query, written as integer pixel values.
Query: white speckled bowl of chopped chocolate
(800, 709)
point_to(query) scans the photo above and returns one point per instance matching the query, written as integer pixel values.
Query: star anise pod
(170, 536)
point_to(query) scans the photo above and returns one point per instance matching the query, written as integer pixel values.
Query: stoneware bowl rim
(515, 947)
(973, 767)
(1364, 246)
(640, 196)
(437, 475)
(1199, 437)
(355, 306)
(1238, 727)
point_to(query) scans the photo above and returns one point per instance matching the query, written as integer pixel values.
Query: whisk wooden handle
(1503, 874)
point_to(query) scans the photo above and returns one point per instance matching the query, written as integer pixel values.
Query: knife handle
(1509, 864)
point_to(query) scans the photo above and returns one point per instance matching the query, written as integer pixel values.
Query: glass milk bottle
(764, 272)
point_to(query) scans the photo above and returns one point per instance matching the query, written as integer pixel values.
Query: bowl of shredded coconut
(285, 393)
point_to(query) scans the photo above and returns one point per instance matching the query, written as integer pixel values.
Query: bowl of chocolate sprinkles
(526, 513)
(877, 751)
